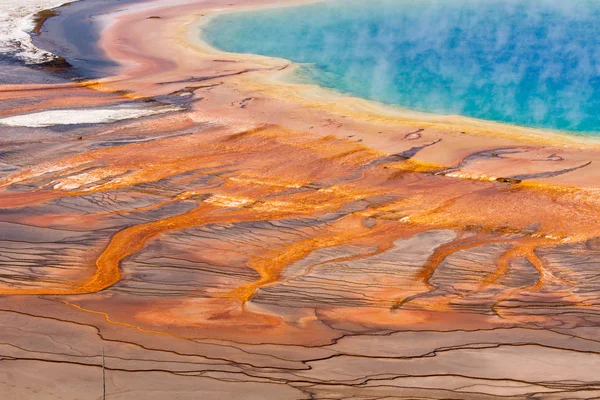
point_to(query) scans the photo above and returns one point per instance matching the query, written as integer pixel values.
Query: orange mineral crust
(222, 233)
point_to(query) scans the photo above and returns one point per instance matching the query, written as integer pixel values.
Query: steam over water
(527, 62)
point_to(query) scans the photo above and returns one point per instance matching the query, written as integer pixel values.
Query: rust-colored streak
(131, 240)
(525, 249)
(269, 267)
(437, 258)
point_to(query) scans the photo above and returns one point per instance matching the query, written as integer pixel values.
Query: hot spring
(530, 63)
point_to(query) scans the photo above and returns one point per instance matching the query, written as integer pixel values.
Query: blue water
(527, 62)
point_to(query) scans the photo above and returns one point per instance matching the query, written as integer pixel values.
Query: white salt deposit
(77, 116)
(16, 23)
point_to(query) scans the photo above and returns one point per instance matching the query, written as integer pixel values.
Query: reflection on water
(534, 63)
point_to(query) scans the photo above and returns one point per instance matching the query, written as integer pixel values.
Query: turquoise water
(527, 62)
